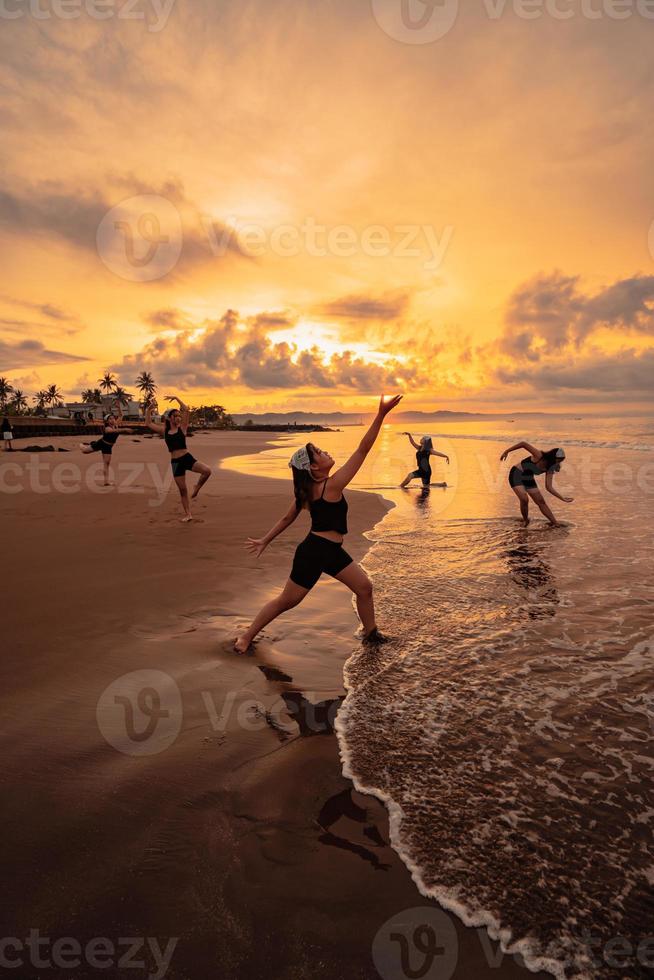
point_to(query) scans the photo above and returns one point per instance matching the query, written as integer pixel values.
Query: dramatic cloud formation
(549, 342)
(231, 351)
(551, 313)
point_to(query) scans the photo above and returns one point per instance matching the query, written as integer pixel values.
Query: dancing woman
(174, 429)
(424, 453)
(322, 550)
(522, 478)
(112, 428)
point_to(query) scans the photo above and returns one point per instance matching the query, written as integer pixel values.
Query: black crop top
(110, 436)
(423, 460)
(327, 515)
(175, 440)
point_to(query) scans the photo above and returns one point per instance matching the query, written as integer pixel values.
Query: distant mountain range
(352, 418)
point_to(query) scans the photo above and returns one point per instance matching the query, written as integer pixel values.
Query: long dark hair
(302, 481)
(549, 459)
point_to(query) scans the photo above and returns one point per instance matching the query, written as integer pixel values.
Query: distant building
(91, 412)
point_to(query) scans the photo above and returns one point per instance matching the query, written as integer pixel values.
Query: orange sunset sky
(279, 205)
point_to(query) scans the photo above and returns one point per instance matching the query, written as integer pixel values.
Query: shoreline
(241, 837)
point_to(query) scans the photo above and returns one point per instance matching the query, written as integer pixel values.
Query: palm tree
(92, 396)
(53, 396)
(18, 401)
(5, 391)
(108, 382)
(122, 397)
(146, 385)
(40, 400)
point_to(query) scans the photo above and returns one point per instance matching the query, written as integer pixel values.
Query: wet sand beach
(159, 787)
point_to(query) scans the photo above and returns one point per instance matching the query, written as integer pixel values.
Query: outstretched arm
(536, 453)
(433, 452)
(348, 470)
(155, 426)
(257, 546)
(412, 440)
(549, 486)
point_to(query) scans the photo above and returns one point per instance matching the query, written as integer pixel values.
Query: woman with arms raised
(425, 451)
(522, 478)
(112, 427)
(174, 429)
(322, 550)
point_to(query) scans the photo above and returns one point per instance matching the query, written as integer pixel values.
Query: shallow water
(508, 723)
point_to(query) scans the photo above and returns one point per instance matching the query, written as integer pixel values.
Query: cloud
(56, 319)
(388, 307)
(230, 351)
(554, 332)
(628, 374)
(31, 353)
(54, 211)
(552, 313)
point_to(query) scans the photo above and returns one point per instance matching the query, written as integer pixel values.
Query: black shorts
(316, 555)
(517, 478)
(183, 463)
(424, 475)
(100, 446)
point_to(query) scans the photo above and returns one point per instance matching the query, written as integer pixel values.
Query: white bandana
(300, 459)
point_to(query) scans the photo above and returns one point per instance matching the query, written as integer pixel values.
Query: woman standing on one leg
(522, 479)
(174, 430)
(113, 427)
(322, 550)
(424, 453)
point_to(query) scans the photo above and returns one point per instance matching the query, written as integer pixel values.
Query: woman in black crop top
(424, 452)
(322, 550)
(522, 478)
(112, 427)
(174, 429)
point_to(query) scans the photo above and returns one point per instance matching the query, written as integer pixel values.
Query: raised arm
(549, 486)
(258, 545)
(348, 470)
(536, 453)
(155, 426)
(434, 452)
(412, 440)
(184, 409)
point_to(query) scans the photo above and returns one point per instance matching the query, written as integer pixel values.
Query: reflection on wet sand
(532, 574)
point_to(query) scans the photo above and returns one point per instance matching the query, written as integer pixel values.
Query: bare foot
(186, 518)
(374, 637)
(241, 645)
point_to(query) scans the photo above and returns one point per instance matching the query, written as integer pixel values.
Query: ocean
(508, 722)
